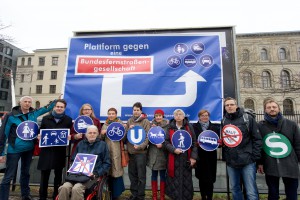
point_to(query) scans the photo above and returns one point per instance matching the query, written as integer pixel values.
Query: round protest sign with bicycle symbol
(81, 123)
(182, 140)
(156, 135)
(136, 135)
(115, 131)
(27, 130)
(232, 136)
(208, 140)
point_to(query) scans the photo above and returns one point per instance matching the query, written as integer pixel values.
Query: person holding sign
(179, 183)
(242, 148)
(86, 110)
(91, 144)
(206, 167)
(281, 151)
(137, 154)
(157, 157)
(53, 157)
(17, 147)
(117, 171)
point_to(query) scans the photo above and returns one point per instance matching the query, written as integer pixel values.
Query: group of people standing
(171, 167)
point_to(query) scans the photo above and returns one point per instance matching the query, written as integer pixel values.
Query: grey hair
(92, 127)
(178, 110)
(26, 97)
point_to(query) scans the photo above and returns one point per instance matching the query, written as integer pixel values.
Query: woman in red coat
(87, 110)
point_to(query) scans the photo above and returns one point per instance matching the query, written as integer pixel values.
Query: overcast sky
(40, 24)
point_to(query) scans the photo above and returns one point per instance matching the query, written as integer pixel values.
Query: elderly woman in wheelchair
(90, 145)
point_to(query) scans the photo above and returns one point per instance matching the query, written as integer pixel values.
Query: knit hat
(159, 111)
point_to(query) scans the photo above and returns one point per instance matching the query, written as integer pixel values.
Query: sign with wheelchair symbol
(136, 135)
(156, 135)
(27, 130)
(83, 163)
(81, 123)
(115, 131)
(182, 140)
(232, 135)
(54, 137)
(208, 140)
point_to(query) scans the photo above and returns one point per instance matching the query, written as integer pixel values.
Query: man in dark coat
(281, 151)
(243, 145)
(53, 157)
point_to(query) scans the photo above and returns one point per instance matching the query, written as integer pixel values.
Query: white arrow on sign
(112, 94)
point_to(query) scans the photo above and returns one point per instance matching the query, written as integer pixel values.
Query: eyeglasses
(86, 109)
(227, 105)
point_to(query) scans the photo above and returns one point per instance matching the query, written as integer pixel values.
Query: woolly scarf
(57, 116)
(171, 161)
(107, 121)
(272, 120)
(204, 125)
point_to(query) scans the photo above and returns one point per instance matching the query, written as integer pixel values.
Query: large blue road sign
(208, 140)
(54, 137)
(115, 131)
(156, 135)
(166, 71)
(81, 123)
(136, 135)
(182, 140)
(83, 163)
(27, 130)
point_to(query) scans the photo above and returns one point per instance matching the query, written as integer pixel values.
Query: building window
(23, 62)
(264, 54)
(245, 55)
(298, 53)
(247, 80)
(1, 47)
(282, 54)
(266, 79)
(285, 79)
(21, 91)
(29, 61)
(288, 108)
(52, 89)
(1, 108)
(37, 104)
(41, 61)
(39, 89)
(40, 75)
(9, 51)
(53, 75)
(5, 84)
(22, 78)
(55, 61)
(249, 103)
(3, 95)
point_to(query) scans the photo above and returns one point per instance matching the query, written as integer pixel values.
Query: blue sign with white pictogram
(81, 123)
(156, 135)
(182, 140)
(27, 130)
(54, 137)
(170, 70)
(83, 163)
(136, 135)
(115, 131)
(208, 140)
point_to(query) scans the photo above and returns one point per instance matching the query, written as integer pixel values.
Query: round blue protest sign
(136, 135)
(156, 135)
(81, 123)
(208, 140)
(182, 140)
(115, 131)
(27, 130)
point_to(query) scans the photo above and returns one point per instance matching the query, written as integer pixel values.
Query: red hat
(159, 111)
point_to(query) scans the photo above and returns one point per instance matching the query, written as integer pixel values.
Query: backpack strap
(246, 119)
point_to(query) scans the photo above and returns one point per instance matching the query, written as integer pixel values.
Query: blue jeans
(248, 173)
(12, 160)
(290, 187)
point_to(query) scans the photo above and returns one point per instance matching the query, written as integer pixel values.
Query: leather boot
(162, 190)
(154, 190)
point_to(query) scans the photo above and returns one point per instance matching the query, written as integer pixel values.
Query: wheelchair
(98, 191)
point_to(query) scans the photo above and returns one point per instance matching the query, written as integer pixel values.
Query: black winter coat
(53, 157)
(206, 167)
